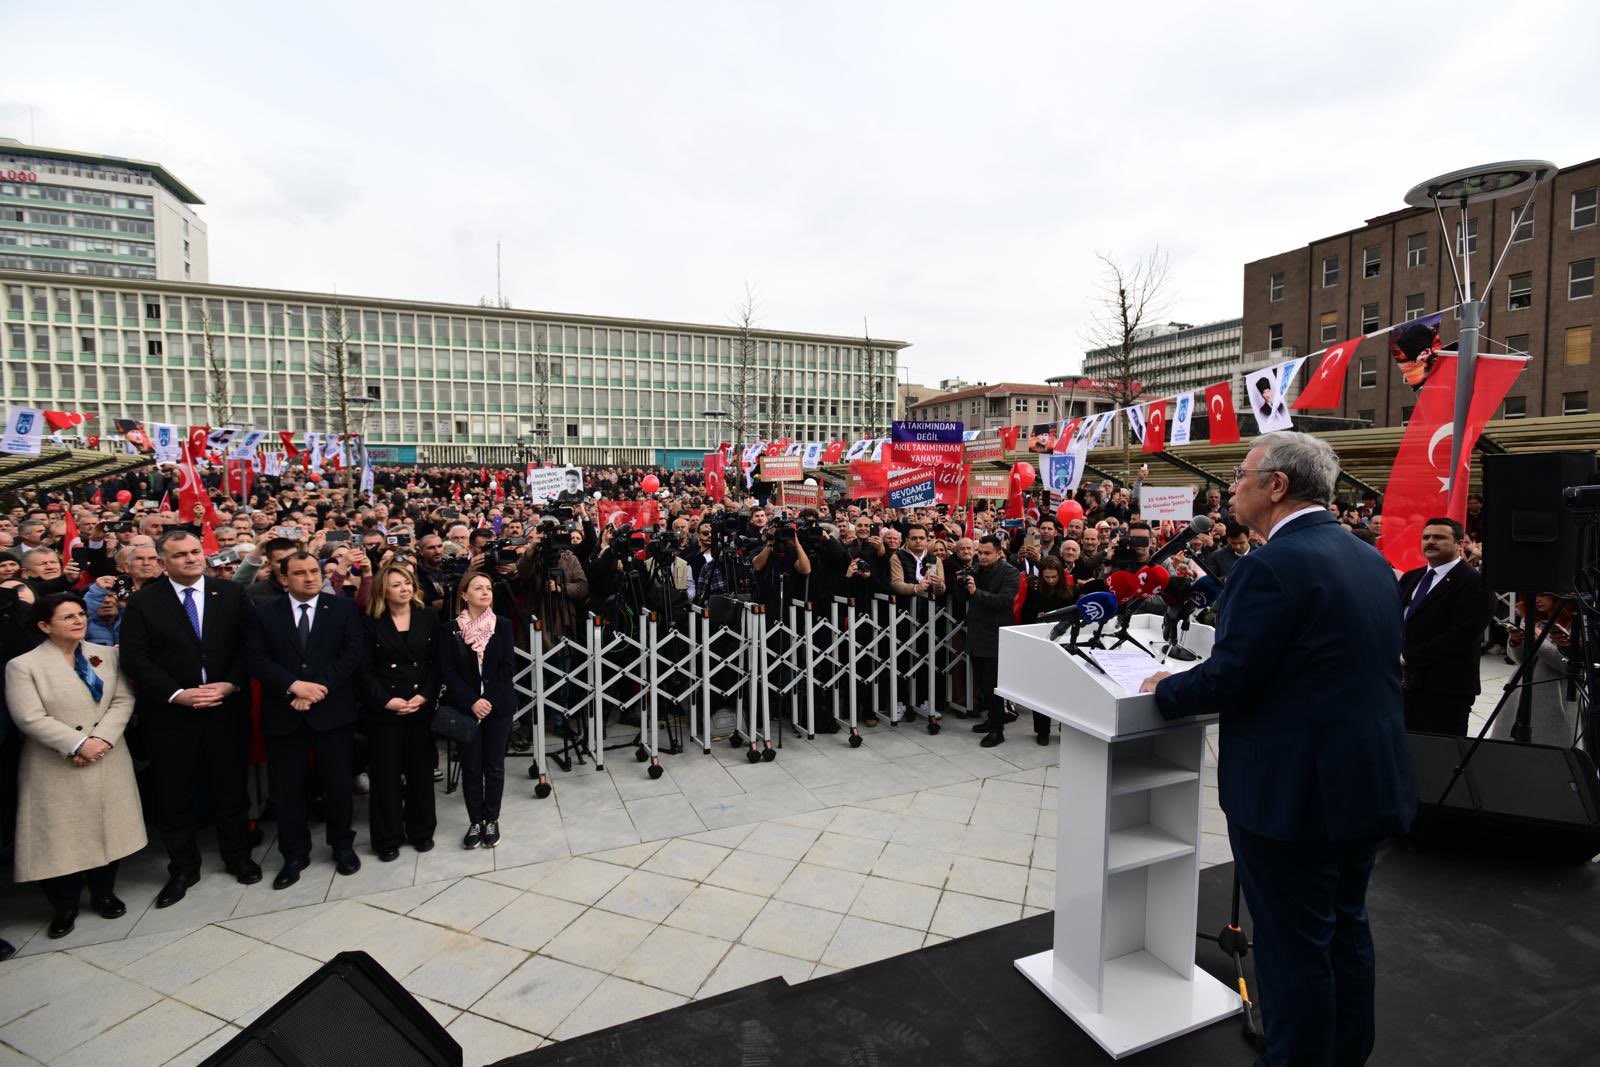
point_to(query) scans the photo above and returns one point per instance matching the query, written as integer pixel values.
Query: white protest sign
(1158, 503)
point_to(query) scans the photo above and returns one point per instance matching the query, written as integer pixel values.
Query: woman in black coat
(399, 685)
(477, 655)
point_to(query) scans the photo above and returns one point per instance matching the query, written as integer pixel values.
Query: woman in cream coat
(77, 804)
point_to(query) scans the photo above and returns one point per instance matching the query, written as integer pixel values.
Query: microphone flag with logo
(1419, 485)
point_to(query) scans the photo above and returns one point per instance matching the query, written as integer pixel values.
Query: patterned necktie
(1422, 591)
(80, 663)
(303, 631)
(189, 608)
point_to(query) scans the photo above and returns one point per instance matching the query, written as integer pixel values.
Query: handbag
(455, 724)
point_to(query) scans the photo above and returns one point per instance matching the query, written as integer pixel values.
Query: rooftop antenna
(499, 300)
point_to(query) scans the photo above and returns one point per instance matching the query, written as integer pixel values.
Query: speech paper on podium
(1128, 667)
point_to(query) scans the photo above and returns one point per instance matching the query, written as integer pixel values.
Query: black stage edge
(1479, 963)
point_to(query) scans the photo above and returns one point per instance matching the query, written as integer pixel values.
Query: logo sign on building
(985, 450)
(19, 175)
(24, 428)
(934, 445)
(782, 469)
(1163, 503)
(913, 488)
(547, 483)
(991, 485)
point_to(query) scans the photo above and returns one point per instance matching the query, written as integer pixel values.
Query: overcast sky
(947, 172)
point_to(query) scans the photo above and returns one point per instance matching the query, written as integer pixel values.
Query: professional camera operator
(782, 564)
(917, 579)
(554, 586)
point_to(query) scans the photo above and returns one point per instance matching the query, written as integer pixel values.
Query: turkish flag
(1068, 433)
(1009, 436)
(773, 448)
(832, 453)
(868, 480)
(191, 493)
(1220, 416)
(634, 512)
(716, 468)
(290, 452)
(198, 436)
(1155, 427)
(64, 420)
(1326, 387)
(1419, 485)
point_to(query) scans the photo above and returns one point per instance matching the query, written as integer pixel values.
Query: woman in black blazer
(477, 658)
(399, 684)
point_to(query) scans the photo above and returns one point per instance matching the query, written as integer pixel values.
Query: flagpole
(1472, 185)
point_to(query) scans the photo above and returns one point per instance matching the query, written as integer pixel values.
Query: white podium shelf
(1127, 829)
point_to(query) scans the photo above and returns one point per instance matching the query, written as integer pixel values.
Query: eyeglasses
(1240, 472)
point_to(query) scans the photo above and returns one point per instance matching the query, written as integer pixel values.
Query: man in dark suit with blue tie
(305, 648)
(1313, 768)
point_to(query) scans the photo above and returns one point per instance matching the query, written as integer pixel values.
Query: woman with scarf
(78, 809)
(476, 658)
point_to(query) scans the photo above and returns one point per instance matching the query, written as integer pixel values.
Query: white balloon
(810, 481)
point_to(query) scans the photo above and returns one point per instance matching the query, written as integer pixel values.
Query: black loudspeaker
(351, 1013)
(1544, 799)
(1530, 536)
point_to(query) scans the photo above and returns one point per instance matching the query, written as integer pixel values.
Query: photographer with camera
(990, 592)
(554, 587)
(780, 562)
(106, 597)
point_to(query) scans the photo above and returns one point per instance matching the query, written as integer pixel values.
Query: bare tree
(541, 391)
(336, 373)
(1129, 298)
(872, 385)
(742, 404)
(219, 395)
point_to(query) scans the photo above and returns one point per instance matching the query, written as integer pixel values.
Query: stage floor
(1479, 963)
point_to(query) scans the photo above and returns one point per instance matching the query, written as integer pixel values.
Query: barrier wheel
(655, 771)
(855, 740)
(541, 790)
(533, 770)
(753, 756)
(769, 754)
(733, 740)
(641, 754)
(933, 726)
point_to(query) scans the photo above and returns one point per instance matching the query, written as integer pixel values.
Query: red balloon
(650, 483)
(1025, 473)
(313, 477)
(1069, 510)
(124, 497)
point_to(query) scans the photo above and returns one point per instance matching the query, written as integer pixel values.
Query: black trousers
(287, 757)
(212, 749)
(66, 890)
(985, 674)
(1437, 713)
(483, 768)
(1313, 946)
(400, 758)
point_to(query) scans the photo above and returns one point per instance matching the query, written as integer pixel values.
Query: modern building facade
(434, 383)
(1391, 270)
(1176, 357)
(988, 407)
(91, 215)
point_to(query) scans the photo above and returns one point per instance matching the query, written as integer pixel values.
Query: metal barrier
(828, 663)
(914, 648)
(568, 673)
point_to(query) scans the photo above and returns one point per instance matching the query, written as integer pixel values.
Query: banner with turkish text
(867, 481)
(782, 468)
(934, 445)
(912, 487)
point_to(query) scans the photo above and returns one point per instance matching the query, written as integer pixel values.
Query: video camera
(731, 532)
(503, 551)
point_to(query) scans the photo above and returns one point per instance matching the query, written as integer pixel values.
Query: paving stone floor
(614, 898)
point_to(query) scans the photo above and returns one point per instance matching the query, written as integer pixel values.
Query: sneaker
(474, 836)
(898, 713)
(361, 785)
(491, 833)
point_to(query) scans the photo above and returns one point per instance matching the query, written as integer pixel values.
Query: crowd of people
(336, 637)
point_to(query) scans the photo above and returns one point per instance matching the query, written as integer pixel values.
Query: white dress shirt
(1281, 523)
(199, 588)
(1438, 576)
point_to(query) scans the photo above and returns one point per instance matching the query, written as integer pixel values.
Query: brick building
(1391, 270)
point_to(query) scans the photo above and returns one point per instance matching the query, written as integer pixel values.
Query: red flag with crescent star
(1009, 436)
(1326, 387)
(1155, 427)
(1419, 485)
(1220, 416)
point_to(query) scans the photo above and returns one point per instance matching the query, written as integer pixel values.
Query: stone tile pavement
(615, 898)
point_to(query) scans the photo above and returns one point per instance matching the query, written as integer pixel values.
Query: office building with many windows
(1391, 270)
(1175, 357)
(98, 216)
(434, 383)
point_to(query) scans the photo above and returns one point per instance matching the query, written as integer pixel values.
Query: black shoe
(981, 728)
(7, 950)
(1041, 739)
(245, 872)
(175, 889)
(474, 836)
(109, 907)
(491, 833)
(992, 740)
(62, 922)
(346, 862)
(289, 875)
(388, 855)
(425, 845)
(1011, 716)
(829, 728)
(256, 836)
(911, 715)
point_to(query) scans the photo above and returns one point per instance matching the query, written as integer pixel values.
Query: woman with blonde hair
(78, 809)
(399, 686)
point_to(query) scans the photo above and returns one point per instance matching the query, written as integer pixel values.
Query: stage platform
(1479, 963)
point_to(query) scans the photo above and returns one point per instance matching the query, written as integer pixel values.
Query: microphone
(1184, 597)
(1198, 525)
(1204, 591)
(1089, 608)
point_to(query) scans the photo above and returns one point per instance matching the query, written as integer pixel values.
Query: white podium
(1127, 833)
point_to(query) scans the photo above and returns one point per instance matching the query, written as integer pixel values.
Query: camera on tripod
(503, 551)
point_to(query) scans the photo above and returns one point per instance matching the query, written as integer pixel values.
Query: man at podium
(1313, 768)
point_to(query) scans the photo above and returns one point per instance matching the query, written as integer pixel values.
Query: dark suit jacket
(1443, 636)
(1305, 674)
(400, 664)
(161, 654)
(463, 680)
(332, 658)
